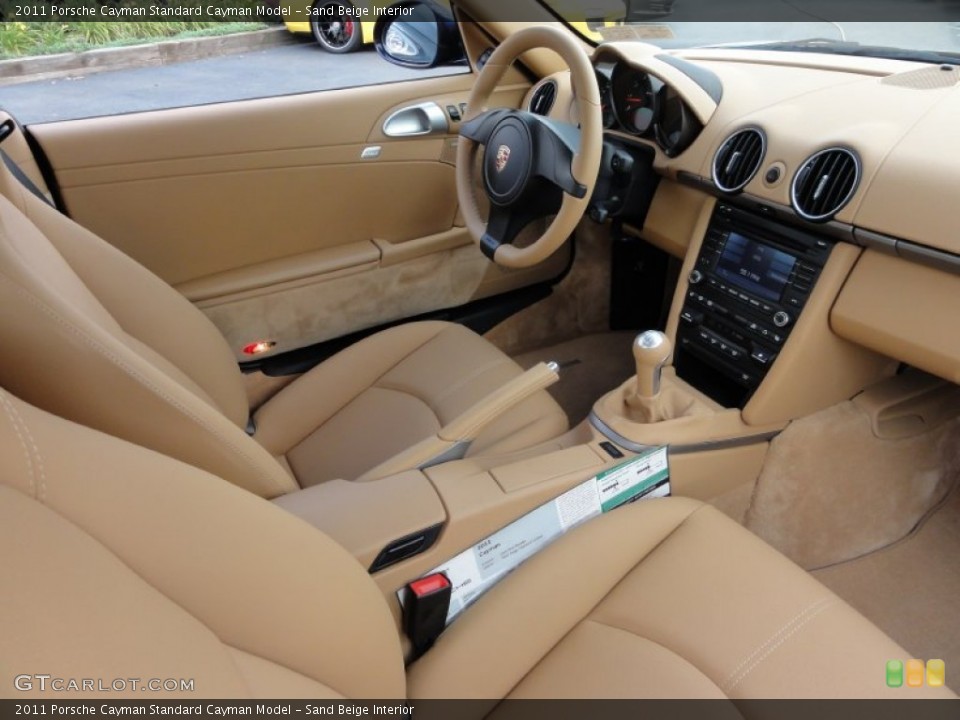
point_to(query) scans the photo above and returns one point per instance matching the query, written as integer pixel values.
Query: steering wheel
(532, 166)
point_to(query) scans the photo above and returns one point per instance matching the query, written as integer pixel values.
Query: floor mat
(591, 366)
(911, 590)
(831, 491)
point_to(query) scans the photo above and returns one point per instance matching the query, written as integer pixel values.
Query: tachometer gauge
(635, 96)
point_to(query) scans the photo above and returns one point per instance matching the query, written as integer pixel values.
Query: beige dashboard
(898, 118)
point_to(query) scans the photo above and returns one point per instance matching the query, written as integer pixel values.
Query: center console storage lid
(366, 517)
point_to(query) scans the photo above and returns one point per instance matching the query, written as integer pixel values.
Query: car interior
(267, 362)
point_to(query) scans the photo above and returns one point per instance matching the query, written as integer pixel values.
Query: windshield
(679, 24)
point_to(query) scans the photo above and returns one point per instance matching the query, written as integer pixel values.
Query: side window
(86, 58)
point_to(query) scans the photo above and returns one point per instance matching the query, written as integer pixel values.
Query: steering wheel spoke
(480, 128)
(557, 143)
(502, 228)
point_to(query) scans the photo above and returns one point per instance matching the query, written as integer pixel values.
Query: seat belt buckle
(425, 610)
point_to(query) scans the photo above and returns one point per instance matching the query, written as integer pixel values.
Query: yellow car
(337, 27)
(335, 24)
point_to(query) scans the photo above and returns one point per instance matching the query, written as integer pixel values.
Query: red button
(429, 584)
(260, 346)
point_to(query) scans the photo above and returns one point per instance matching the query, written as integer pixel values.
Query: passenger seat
(120, 562)
(91, 335)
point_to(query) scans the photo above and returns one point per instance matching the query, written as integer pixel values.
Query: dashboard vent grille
(825, 183)
(738, 160)
(543, 98)
(933, 77)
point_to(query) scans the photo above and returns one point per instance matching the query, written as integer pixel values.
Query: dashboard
(854, 152)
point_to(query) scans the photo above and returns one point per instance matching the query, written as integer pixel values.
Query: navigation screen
(757, 268)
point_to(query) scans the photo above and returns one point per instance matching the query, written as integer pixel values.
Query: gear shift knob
(651, 350)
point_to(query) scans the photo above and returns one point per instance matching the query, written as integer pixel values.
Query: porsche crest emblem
(503, 157)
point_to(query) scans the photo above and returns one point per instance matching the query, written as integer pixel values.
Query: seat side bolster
(75, 367)
(146, 308)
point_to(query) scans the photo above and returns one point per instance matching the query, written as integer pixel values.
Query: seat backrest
(89, 334)
(123, 563)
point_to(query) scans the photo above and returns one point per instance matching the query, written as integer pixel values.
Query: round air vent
(738, 159)
(825, 183)
(543, 98)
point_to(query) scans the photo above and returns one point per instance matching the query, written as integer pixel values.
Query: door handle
(422, 119)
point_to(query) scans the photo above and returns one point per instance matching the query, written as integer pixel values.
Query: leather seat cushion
(392, 390)
(664, 598)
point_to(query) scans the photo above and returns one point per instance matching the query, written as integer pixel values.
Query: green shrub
(20, 39)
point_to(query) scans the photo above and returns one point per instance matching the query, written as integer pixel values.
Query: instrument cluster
(640, 104)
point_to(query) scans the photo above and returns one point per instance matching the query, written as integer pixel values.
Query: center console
(749, 284)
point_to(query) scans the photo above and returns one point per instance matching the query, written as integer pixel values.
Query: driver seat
(94, 337)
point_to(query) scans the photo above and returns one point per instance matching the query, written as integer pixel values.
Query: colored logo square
(914, 673)
(936, 673)
(894, 673)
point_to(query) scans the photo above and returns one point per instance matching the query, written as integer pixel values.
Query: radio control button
(764, 357)
(696, 277)
(781, 319)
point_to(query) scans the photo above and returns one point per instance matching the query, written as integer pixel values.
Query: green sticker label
(646, 474)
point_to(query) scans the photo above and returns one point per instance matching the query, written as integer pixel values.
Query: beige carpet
(912, 589)
(579, 305)
(831, 491)
(591, 366)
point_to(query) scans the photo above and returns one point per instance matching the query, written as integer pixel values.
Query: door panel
(266, 215)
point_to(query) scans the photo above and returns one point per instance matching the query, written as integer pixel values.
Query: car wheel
(335, 27)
